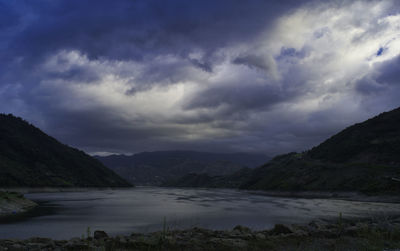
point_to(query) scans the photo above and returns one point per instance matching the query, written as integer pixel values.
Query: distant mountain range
(364, 157)
(30, 158)
(155, 168)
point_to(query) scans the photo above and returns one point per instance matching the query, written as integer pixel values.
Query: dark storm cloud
(205, 66)
(389, 72)
(138, 29)
(132, 30)
(386, 75)
(226, 75)
(252, 91)
(259, 62)
(369, 86)
(239, 97)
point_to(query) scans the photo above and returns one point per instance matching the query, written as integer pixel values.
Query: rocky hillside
(364, 157)
(155, 168)
(30, 158)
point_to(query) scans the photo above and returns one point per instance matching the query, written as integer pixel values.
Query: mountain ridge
(155, 168)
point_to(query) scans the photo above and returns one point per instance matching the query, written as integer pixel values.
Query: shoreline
(13, 203)
(336, 195)
(371, 234)
(348, 196)
(25, 190)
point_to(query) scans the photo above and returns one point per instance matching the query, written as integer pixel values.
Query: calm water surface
(69, 214)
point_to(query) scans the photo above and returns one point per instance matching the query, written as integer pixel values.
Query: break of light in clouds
(261, 76)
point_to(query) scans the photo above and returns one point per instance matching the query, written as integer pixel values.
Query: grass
(88, 233)
(377, 233)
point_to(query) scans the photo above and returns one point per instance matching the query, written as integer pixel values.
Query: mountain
(364, 157)
(30, 158)
(155, 168)
(376, 140)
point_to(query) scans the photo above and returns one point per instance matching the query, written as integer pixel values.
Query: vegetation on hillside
(364, 157)
(29, 157)
(205, 180)
(376, 140)
(297, 172)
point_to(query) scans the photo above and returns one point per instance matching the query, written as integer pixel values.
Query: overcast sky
(210, 75)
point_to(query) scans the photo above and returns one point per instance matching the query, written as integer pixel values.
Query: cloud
(265, 76)
(389, 72)
(386, 76)
(263, 62)
(136, 30)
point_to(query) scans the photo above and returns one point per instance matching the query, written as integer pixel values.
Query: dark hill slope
(376, 140)
(205, 180)
(29, 157)
(364, 157)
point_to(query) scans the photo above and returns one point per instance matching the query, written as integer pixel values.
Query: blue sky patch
(380, 51)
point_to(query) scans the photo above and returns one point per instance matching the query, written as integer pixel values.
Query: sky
(212, 75)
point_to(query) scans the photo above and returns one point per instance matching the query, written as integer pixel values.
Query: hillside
(205, 180)
(364, 157)
(155, 168)
(30, 158)
(376, 140)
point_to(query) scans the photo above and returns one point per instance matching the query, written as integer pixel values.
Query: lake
(144, 209)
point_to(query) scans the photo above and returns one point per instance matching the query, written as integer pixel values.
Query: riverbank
(339, 195)
(27, 190)
(373, 234)
(12, 203)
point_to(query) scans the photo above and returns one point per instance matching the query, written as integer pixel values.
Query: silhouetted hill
(376, 140)
(29, 157)
(364, 157)
(155, 168)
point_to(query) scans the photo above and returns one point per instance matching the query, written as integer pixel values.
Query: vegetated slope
(376, 140)
(29, 157)
(205, 180)
(364, 157)
(155, 168)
